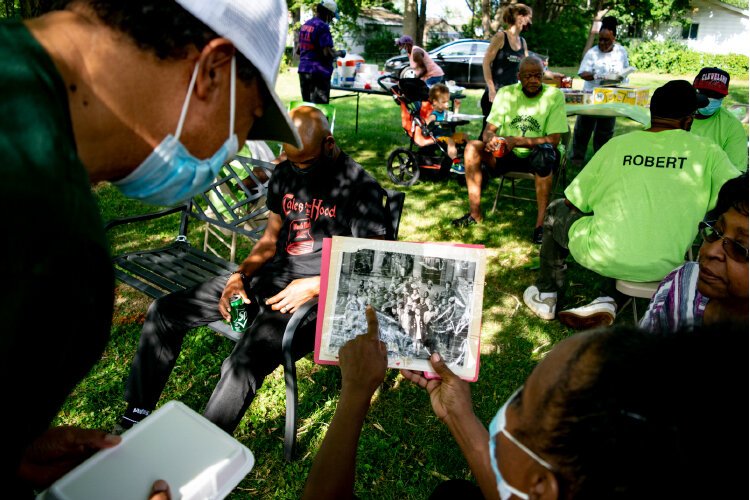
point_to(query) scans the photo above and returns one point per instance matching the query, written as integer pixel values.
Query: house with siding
(714, 27)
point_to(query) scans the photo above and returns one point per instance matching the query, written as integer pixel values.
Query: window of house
(690, 31)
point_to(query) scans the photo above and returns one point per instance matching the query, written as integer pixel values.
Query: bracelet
(242, 275)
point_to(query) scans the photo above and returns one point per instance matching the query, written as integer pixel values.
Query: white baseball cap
(258, 29)
(330, 5)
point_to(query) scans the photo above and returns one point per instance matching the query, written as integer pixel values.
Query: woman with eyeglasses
(714, 289)
(607, 414)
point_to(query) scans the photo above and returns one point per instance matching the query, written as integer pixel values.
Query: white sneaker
(600, 312)
(542, 304)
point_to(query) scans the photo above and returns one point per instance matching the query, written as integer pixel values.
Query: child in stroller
(439, 98)
(433, 143)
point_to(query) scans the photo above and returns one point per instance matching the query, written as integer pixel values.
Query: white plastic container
(196, 458)
(347, 68)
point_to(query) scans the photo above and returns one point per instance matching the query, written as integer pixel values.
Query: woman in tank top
(507, 48)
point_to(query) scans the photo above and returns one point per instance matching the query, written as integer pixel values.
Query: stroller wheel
(402, 167)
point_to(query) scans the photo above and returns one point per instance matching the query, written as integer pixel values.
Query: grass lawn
(404, 451)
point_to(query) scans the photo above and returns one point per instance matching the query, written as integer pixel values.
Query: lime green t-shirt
(725, 130)
(516, 115)
(648, 192)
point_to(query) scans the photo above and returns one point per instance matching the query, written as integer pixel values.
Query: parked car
(461, 61)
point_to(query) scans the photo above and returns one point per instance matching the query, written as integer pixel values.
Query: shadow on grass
(404, 451)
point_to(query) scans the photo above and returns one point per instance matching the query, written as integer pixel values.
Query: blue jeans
(433, 80)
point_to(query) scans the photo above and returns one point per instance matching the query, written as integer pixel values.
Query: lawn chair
(394, 205)
(560, 176)
(239, 207)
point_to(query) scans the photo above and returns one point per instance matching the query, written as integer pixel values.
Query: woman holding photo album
(614, 413)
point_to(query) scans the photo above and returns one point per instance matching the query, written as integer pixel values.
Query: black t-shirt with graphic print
(333, 198)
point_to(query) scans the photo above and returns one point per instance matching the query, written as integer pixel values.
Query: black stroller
(425, 152)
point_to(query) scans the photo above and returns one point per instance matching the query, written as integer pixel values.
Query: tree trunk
(471, 4)
(410, 18)
(596, 25)
(296, 17)
(421, 21)
(486, 18)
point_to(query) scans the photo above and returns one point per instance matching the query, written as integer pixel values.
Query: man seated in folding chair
(530, 117)
(318, 192)
(633, 210)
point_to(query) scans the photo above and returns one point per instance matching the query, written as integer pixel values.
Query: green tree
(565, 29)
(29, 8)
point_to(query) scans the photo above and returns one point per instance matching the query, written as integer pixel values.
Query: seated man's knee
(556, 211)
(475, 156)
(544, 160)
(473, 152)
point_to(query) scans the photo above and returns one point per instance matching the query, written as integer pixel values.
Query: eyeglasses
(710, 234)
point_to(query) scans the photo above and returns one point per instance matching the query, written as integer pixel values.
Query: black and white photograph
(427, 298)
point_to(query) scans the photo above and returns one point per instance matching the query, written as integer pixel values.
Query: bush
(378, 43)
(562, 39)
(673, 57)
(434, 41)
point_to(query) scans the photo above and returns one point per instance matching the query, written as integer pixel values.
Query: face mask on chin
(171, 174)
(497, 426)
(713, 107)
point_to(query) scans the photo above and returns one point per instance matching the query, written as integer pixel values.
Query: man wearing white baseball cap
(316, 54)
(153, 95)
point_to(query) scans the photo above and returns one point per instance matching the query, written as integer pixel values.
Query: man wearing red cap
(716, 122)
(633, 210)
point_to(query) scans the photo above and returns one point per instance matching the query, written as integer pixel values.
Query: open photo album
(427, 298)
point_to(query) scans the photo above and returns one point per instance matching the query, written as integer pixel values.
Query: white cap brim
(275, 124)
(258, 29)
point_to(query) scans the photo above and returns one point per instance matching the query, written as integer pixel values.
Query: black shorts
(315, 88)
(543, 160)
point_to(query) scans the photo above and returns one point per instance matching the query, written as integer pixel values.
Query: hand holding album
(450, 396)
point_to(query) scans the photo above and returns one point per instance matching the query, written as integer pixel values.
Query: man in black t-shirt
(318, 192)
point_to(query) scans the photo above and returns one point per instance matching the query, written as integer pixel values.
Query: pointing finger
(372, 322)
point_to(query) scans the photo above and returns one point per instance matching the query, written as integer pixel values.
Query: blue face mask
(497, 426)
(170, 174)
(713, 107)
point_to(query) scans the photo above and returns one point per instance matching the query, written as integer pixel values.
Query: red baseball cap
(713, 79)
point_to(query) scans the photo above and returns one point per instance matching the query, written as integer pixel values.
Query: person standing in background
(316, 54)
(717, 123)
(421, 62)
(507, 48)
(607, 61)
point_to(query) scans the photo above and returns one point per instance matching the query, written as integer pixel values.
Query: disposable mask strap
(187, 102)
(530, 453)
(232, 98)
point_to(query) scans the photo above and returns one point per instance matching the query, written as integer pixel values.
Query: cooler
(347, 69)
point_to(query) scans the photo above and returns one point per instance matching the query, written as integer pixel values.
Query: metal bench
(229, 208)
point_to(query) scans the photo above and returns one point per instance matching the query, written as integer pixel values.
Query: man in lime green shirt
(530, 117)
(634, 209)
(717, 123)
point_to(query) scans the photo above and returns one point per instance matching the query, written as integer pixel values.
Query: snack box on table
(638, 96)
(576, 96)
